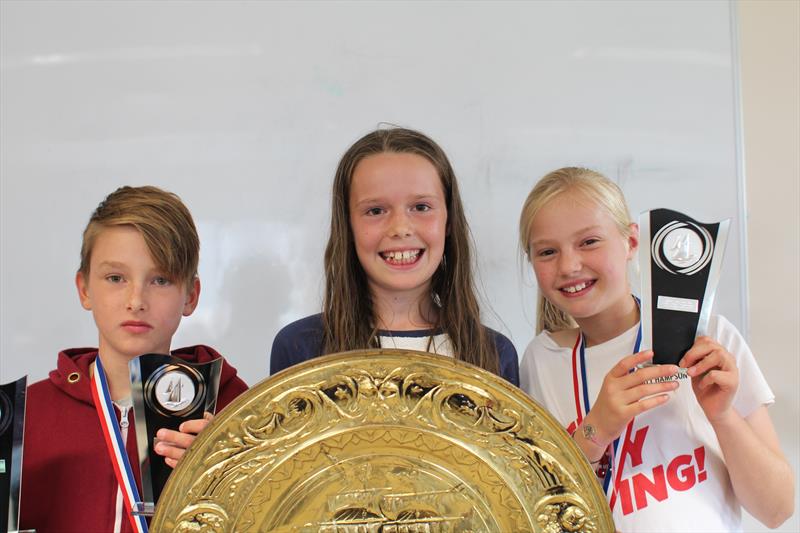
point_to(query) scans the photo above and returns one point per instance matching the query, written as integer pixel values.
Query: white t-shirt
(673, 475)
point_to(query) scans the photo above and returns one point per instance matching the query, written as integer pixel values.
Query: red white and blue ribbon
(580, 387)
(115, 445)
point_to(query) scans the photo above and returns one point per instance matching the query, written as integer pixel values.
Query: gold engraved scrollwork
(383, 441)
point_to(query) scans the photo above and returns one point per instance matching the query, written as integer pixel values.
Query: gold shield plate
(383, 441)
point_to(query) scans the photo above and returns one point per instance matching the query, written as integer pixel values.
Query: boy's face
(135, 306)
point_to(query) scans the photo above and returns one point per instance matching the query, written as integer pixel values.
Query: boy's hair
(348, 314)
(594, 186)
(164, 222)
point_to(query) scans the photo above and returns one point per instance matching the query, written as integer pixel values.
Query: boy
(138, 277)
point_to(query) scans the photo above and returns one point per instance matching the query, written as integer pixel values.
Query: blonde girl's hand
(715, 377)
(172, 444)
(625, 394)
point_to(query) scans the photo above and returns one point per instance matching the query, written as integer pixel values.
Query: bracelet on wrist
(602, 466)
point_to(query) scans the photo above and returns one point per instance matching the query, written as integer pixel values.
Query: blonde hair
(593, 186)
(163, 220)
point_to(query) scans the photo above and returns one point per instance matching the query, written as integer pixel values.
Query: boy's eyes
(161, 281)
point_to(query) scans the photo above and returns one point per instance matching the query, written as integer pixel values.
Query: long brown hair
(348, 313)
(594, 186)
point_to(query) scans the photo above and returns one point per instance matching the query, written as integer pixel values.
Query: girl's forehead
(390, 172)
(569, 212)
(574, 202)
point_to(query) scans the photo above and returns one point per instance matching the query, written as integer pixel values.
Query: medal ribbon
(580, 387)
(116, 448)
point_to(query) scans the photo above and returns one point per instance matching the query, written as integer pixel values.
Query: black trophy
(680, 260)
(12, 425)
(167, 391)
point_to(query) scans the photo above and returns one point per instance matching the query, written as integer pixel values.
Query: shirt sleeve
(509, 362)
(279, 358)
(528, 375)
(297, 342)
(754, 391)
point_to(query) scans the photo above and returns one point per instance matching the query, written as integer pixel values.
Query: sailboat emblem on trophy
(682, 247)
(174, 391)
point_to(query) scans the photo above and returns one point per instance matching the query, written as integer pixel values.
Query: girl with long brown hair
(398, 264)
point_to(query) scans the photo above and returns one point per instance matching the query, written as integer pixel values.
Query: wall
(769, 34)
(244, 108)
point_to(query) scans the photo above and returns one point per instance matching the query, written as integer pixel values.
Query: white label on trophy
(175, 390)
(672, 303)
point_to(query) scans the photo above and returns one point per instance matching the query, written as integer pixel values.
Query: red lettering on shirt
(700, 454)
(624, 494)
(642, 486)
(681, 474)
(633, 448)
(684, 478)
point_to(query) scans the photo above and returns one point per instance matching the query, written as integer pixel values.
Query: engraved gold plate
(383, 441)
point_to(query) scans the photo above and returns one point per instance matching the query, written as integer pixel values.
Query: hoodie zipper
(123, 420)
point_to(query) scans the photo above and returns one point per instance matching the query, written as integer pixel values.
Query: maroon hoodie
(68, 481)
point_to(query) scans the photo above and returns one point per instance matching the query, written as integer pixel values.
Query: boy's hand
(173, 444)
(625, 394)
(715, 377)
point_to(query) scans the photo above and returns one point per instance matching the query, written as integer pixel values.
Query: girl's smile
(577, 289)
(402, 258)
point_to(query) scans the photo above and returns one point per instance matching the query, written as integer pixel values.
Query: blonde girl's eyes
(590, 241)
(546, 252)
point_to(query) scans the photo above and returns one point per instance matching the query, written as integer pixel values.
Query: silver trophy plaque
(680, 260)
(167, 391)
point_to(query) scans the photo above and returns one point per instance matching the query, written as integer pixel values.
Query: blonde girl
(672, 455)
(398, 264)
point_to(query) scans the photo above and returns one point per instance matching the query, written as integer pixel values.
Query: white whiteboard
(243, 109)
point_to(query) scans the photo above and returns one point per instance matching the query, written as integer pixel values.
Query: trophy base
(143, 509)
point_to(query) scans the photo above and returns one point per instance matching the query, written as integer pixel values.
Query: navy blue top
(302, 340)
